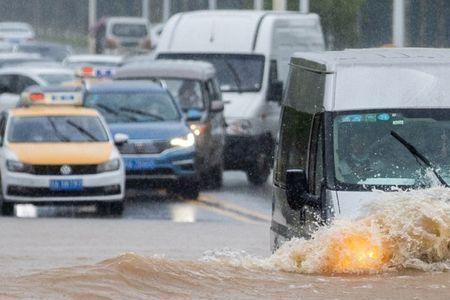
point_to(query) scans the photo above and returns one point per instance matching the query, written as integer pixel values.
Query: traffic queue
(80, 137)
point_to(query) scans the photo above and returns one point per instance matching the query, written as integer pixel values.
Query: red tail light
(36, 96)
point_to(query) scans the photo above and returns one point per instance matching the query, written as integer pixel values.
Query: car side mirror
(275, 93)
(120, 138)
(217, 106)
(193, 115)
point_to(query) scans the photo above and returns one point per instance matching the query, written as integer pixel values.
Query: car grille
(144, 147)
(157, 171)
(130, 44)
(15, 190)
(56, 169)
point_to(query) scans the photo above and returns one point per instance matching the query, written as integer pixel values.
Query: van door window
(316, 161)
(292, 150)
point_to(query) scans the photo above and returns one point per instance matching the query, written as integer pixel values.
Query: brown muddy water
(399, 248)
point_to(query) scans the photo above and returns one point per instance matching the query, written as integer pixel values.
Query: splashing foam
(400, 230)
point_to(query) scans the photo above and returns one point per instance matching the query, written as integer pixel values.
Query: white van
(122, 35)
(353, 121)
(250, 51)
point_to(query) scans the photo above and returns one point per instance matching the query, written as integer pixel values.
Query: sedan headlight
(19, 167)
(109, 166)
(186, 141)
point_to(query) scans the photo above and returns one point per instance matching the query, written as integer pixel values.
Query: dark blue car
(155, 141)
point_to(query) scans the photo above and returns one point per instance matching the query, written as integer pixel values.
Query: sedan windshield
(126, 107)
(235, 72)
(45, 129)
(369, 152)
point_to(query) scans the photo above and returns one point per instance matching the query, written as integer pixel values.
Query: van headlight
(109, 166)
(19, 167)
(239, 127)
(185, 141)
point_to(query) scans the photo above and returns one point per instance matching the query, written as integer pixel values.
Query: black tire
(189, 189)
(110, 208)
(214, 178)
(7, 209)
(259, 171)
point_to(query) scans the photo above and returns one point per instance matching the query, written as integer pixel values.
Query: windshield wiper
(82, 130)
(236, 78)
(419, 156)
(58, 133)
(141, 112)
(113, 111)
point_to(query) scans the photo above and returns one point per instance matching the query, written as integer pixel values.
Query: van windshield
(366, 154)
(235, 72)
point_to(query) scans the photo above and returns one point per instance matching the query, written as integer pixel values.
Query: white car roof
(35, 70)
(93, 57)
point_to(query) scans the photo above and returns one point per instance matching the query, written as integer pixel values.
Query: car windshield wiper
(236, 78)
(141, 112)
(419, 156)
(82, 130)
(113, 111)
(58, 133)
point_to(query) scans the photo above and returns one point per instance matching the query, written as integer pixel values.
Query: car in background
(76, 62)
(155, 33)
(16, 32)
(52, 51)
(194, 85)
(53, 152)
(11, 59)
(120, 35)
(160, 149)
(14, 80)
(6, 47)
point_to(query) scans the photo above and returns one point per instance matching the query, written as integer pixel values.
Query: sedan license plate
(66, 185)
(139, 164)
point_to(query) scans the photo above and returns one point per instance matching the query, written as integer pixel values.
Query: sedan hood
(62, 153)
(151, 130)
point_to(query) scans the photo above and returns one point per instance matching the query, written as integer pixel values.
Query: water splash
(405, 229)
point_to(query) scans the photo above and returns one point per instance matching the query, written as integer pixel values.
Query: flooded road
(399, 248)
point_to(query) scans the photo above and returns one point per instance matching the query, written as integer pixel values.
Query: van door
(217, 122)
(313, 216)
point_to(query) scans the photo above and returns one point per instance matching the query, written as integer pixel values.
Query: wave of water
(400, 231)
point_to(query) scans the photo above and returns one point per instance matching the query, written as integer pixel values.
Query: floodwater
(398, 248)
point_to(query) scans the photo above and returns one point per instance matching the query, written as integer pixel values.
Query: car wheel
(214, 178)
(7, 209)
(259, 171)
(189, 189)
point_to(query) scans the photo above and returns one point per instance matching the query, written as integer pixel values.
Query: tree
(339, 21)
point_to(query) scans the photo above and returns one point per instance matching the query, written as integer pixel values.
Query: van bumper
(241, 150)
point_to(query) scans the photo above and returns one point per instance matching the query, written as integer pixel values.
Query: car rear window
(129, 30)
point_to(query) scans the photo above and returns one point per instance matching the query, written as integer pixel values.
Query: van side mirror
(120, 138)
(275, 92)
(217, 106)
(297, 190)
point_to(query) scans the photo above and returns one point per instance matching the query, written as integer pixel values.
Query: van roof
(165, 68)
(383, 78)
(213, 29)
(328, 61)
